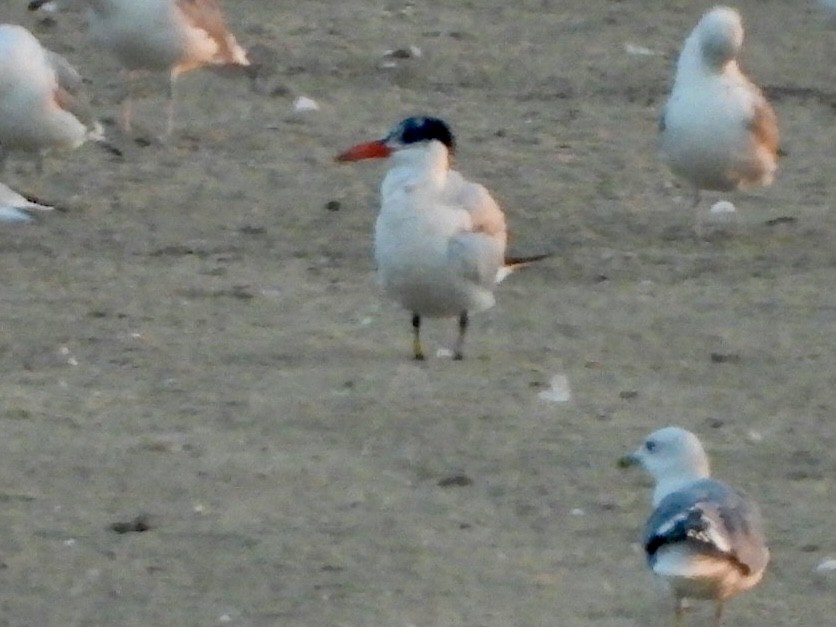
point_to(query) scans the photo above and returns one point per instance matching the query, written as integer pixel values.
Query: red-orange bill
(369, 150)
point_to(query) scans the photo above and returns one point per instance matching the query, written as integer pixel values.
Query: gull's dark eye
(650, 445)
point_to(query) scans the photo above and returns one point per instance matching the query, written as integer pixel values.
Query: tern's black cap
(423, 128)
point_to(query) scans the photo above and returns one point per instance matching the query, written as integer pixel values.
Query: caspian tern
(41, 105)
(174, 36)
(439, 240)
(704, 539)
(717, 130)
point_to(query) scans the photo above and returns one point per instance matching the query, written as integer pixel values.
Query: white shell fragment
(755, 437)
(639, 51)
(303, 104)
(444, 353)
(722, 207)
(559, 391)
(826, 566)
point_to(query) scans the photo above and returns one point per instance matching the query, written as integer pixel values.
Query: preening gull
(704, 538)
(439, 239)
(42, 107)
(174, 36)
(717, 130)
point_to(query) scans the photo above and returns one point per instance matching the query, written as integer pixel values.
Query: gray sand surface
(197, 339)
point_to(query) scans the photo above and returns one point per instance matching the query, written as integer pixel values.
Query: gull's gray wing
(71, 95)
(68, 77)
(711, 518)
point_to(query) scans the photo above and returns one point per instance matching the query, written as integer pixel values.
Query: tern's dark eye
(650, 445)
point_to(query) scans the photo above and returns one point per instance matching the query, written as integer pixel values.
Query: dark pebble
(455, 481)
(725, 358)
(781, 220)
(137, 525)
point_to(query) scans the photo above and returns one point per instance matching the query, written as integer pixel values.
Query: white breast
(423, 262)
(30, 117)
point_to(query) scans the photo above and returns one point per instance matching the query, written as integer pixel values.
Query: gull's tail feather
(514, 263)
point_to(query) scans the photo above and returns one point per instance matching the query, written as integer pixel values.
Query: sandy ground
(198, 340)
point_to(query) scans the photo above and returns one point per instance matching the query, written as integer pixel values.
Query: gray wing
(485, 214)
(479, 252)
(70, 95)
(68, 77)
(478, 257)
(711, 518)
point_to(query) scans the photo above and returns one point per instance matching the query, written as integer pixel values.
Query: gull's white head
(674, 458)
(720, 34)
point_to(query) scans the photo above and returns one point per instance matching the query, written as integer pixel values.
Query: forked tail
(515, 263)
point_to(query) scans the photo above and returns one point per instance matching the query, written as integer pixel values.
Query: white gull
(717, 130)
(704, 539)
(41, 104)
(174, 36)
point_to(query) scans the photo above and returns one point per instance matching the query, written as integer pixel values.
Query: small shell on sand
(559, 391)
(722, 207)
(303, 104)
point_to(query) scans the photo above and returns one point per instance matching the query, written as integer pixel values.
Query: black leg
(169, 124)
(416, 337)
(698, 217)
(458, 355)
